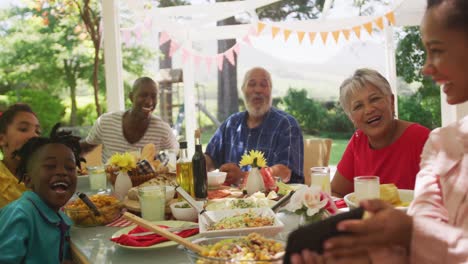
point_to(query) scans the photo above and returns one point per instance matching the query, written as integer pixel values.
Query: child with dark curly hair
(33, 228)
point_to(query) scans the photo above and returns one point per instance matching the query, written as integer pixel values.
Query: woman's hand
(234, 173)
(309, 257)
(387, 227)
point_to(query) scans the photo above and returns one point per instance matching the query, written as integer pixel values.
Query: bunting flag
(230, 56)
(260, 27)
(196, 60)
(379, 23)
(208, 62)
(219, 61)
(286, 34)
(148, 23)
(336, 35)
(163, 38)
(312, 36)
(173, 48)
(246, 39)
(346, 33)
(390, 16)
(324, 36)
(368, 27)
(126, 35)
(300, 36)
(357, 31)
(137, 33)
(236, 48)
(185, 55)
(274, 31)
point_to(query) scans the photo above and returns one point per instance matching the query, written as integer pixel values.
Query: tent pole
(391, 64)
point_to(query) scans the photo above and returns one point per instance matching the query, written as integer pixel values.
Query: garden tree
(90, 14)
(423, 106)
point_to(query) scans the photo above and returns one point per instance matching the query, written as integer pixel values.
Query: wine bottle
(200, 178)
(184, 170)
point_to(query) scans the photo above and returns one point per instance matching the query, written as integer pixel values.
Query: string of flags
(135, 33)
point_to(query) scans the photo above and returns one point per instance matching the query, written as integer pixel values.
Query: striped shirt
(108, 131)
(279, 137)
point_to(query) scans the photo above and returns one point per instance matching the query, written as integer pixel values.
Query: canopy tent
(199, 23)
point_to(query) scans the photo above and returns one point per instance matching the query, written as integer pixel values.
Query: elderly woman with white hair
(382, 145)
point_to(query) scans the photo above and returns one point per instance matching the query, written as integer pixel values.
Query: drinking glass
(366, 187)
(320, 176)
(97, 178)
(152, 202)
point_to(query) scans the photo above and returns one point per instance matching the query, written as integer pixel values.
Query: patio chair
(316, 154)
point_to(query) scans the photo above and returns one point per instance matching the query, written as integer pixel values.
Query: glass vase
(123, 183)
(254, 182)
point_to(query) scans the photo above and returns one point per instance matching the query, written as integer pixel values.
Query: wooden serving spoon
(163, 232)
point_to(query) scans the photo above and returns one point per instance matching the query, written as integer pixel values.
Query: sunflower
(254, 158)
(125, 161)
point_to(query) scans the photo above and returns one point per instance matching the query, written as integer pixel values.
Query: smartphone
(312, 236)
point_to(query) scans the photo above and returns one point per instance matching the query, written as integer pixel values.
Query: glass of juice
(320, 176)
(152, 202)
(366, 187)
(97, 178)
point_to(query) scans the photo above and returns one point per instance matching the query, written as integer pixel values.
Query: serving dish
(265, 213)
(238, 203)
(109, 208)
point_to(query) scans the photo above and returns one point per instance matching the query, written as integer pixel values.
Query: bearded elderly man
(263, 128)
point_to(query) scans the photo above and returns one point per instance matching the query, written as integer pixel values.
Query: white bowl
(268, 231)
(170, 192)
(406, 196)
(185, 214)
(216, 178)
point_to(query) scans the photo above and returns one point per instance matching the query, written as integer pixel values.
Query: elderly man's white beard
(260, 111)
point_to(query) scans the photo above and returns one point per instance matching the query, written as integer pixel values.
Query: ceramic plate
(160, 245)
(406, 196)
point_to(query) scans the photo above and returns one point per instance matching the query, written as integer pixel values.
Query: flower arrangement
(124, 161)
(254, 158)
(311, 203)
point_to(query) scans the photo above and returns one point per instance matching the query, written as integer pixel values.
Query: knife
(282, 201)
(88, 203)
(192, 202)
(172, 229)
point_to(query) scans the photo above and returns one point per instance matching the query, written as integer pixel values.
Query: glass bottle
(184, 170)
(200, 178)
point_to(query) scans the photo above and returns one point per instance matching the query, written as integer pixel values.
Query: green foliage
(422, 107)
(298, 9)
(48, 107)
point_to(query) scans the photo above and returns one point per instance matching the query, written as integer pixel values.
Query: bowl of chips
(109, 208)
(400, 198)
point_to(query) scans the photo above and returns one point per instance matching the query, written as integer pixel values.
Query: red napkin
(148, 240)
(340, 203)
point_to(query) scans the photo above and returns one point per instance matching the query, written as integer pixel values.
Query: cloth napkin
(340, 203)
(148, 240)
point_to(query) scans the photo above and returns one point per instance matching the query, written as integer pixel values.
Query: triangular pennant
(148, 23)
(324, 36)
(357, 31)
(163, 38)
(230, 56)
(312, 36)
(390, 18)
(252, 31)
(286, 34)
(260, 27)
(246, 39)
(368, 27)
(208, 62)
(173, 48)
(346, 33)
(137, 33)
(379, 23)
(300, 36)
(186, 54)
(219, 61)
(336, 35)
(274, 31)
(236, 48)
(196, 60)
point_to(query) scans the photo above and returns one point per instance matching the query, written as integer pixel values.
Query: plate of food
(169, 224)
(239, 203)
(240, 222)
(400, 198)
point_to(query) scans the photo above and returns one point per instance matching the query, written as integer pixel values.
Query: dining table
(93, 245)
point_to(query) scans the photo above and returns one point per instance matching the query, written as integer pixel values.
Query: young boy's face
(51, 173)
